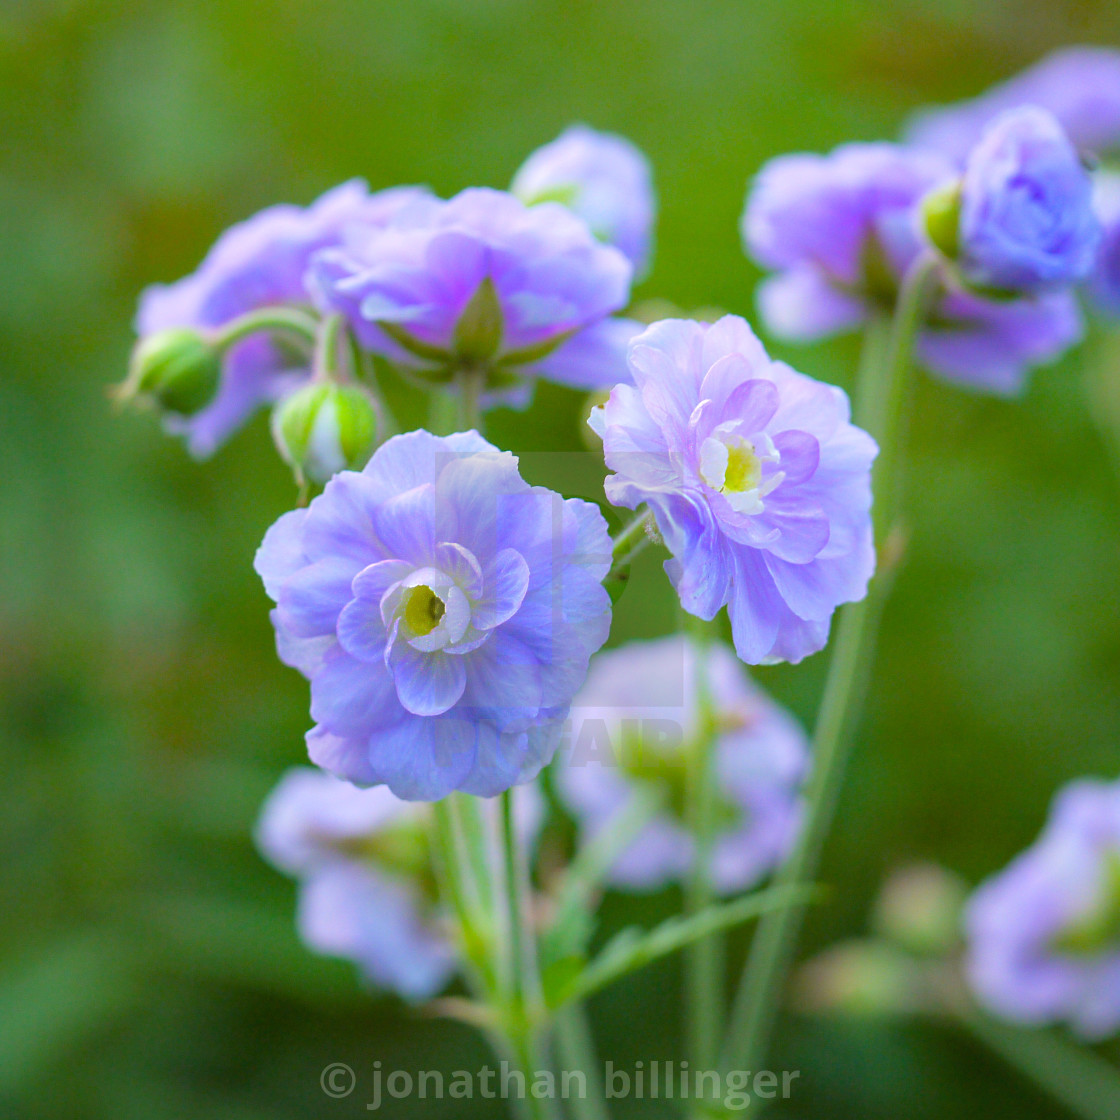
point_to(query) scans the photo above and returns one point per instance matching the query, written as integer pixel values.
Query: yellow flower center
(744, 468)
(423, 609)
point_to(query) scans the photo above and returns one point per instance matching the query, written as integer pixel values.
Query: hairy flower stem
(524, 998)
(469, 381)
(577, 1054)
(1102, 385)
(290, 321)
(882, 393)
(630, 541)
(704, 961)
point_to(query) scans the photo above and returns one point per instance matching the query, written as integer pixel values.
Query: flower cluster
(444, 611)
(843, 230)
(760, 485)
(1044, 934)
(260, 263)
(1080, 88)
(484, 282)
(366, 892)
(635, 722)
(510, 286)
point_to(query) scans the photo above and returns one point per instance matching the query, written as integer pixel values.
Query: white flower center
(732, 464)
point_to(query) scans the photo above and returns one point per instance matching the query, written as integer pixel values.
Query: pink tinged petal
(801, 306)
(802, 527)
(338, 521)
(800, 455)
(505, 583)
(310, 600)
(373, 581)
(351, 697)
(427, 684)
(814, 590)
(753, 403)
(595, 358)
(470, 495)
(281, 552)
(424, 759)
(405, 525)
(731, 335)
(344, 757)
(361, 631)
(460, 564)
(503, 679)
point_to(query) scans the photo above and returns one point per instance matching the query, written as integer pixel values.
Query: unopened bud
(858, 978)
(478, 333)
(919, 908)
(941, 214)
(325, 428)
(176, 369)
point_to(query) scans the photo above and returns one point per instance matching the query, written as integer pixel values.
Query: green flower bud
(478, 333)
(919, 909)
(325, 428)
(941, 213)
(176, 369)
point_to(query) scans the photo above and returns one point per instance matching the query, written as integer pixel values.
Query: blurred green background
(148, 961)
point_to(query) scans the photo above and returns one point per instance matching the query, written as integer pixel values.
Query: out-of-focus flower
(601, 177)
(1026, 219)
(843, 229)
(759, 484)
(1044, 934)
(634, 723)
(1079, 85)
(485, 283)
(919, 908)
(362, 859)
(839, 230)
(1104, 284)
(258, 263)
(325, 427)
(444, 611)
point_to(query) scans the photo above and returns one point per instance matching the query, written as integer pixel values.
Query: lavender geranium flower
(601, 177)
(1044, 934)
(444, 611)
(1026, 214)
(366, 887)
(483, 282)
(1079, 85)
(1104, 284)
(841, 231)
(759, 485)
(838, 229)
(257, 263)
(634, 722)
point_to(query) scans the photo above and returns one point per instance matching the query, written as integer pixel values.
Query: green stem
(775, 942)
(1102, 385)
(1073, 1075)
(283, 320)
(631, 540)
(525, 999)
(704, 961)
(327, 359)
(469, 382)
(577, 1053)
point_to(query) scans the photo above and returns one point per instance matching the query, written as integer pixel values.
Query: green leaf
(414, 345)
(574, 923)
(559, 976)
(634, 948)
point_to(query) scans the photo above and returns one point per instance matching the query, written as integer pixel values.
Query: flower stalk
(882, 394)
